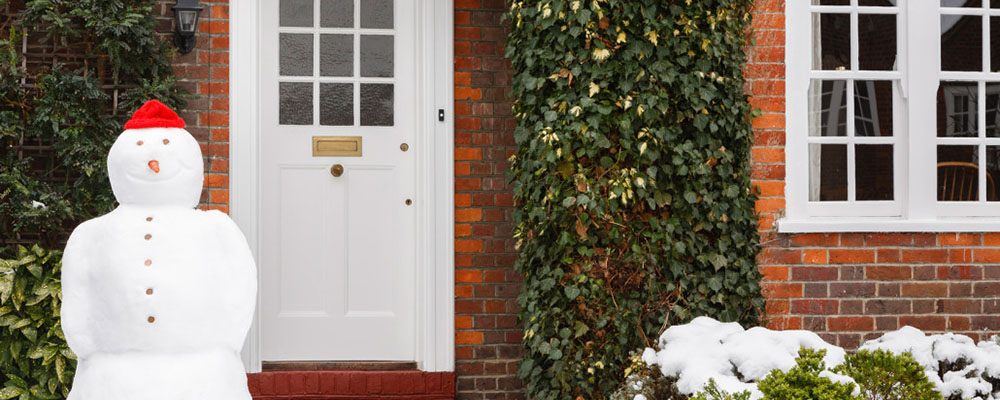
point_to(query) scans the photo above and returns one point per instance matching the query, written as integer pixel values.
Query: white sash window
(894, 106)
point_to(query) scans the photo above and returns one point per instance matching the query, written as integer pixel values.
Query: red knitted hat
(154, 114)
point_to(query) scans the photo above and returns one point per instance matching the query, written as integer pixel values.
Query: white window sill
(882, 224)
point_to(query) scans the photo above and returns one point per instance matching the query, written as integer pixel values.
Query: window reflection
(877, 42)
(834, 42)
(961, 43)
(827, 172)
(873, 172)
(957, 109)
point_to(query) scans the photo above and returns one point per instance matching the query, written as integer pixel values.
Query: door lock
(337, 170)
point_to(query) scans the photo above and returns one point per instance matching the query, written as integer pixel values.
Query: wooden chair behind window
(959, 181)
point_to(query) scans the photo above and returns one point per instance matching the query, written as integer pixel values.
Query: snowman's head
(155, 161)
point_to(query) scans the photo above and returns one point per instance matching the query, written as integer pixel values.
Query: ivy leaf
(717, 260)
(572, 292)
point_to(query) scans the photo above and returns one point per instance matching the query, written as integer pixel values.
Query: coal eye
(166, 141)
(139, 143)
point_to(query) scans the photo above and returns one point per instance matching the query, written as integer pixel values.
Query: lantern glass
(187, 21)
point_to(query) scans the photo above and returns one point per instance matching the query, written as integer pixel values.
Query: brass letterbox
(336, 146)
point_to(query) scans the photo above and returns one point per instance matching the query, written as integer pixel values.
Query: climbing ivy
(71, 71)
(635, 208)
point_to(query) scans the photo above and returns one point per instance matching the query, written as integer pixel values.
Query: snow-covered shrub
(957, 367)
(733, 357)
(712, 392)
(808, 379)
(883, 375)
(909, 366)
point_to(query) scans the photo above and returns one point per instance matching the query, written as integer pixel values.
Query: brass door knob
(337, 170)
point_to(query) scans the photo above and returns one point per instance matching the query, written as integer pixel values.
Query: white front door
(338, 97)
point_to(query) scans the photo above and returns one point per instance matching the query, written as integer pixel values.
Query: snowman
(157, 295)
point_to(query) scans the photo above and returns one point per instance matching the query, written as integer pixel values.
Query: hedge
(34, 358)
(635, 208)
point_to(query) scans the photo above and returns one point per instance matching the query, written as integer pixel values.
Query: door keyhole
(337, 170)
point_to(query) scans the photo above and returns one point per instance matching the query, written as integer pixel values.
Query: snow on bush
(735, 358)
(958, 367)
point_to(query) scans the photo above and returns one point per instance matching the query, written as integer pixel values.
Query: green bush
(635, 208)
(882, 375)
(33, 353)
(60, 116)
(712, 392)
(803, 381)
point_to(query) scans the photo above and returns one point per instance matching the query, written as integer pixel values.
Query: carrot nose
(155, 166)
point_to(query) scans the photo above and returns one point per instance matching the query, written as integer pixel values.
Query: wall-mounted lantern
(186, 13)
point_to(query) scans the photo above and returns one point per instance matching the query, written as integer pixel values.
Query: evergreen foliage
(632, 179)
(712, 392)
(62, 108)
(803, 381)
(89, 64)
(34, 359)
(882, 375)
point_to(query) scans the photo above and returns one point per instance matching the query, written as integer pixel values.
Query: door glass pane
(827, 172)
(336, 104)
(336, 13)
(831, 2)
(336, 55)
(992, 172)
(877, 41)
(295, 13)
(295, 103)
(376, 56)
(873, 172)
(957, 109)
(376, 14)
(376, 104)
(873, 108)
(958, 173)
(961, 43)
(877, 3)
(828, 108)
(295, 54)
(832, 46)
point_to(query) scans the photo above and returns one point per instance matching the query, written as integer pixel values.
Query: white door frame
(434, 200)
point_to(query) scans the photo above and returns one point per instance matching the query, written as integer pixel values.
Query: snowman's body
(157, 296)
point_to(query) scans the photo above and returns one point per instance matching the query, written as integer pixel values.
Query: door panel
(337, 253)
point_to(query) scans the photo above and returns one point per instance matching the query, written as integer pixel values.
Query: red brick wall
(848, 286)
(487, 336)
(204, 72)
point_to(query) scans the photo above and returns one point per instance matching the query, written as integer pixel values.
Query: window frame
(915, 207)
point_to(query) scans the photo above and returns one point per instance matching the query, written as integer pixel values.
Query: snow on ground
(736, 358)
